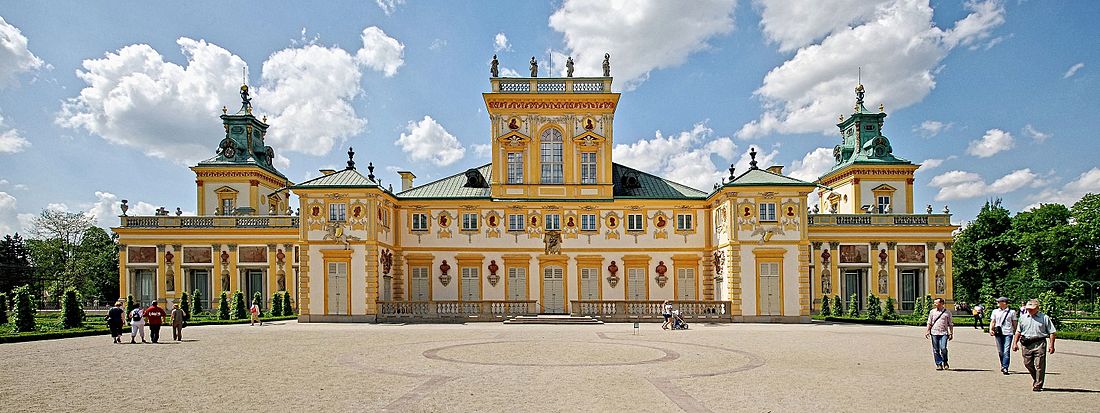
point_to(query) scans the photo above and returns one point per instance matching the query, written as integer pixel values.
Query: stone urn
(493, 277)
(661, 270)
(613, 278)
(444, 278)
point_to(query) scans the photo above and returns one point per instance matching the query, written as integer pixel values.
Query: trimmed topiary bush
(825, 310)
(287, 309)
(853, 306)
(24, 309)
(891, 313)
(920, 312)
(185, 305)
(258, 300)
(130, 304)
(72, 312)
(223, 306)
(196, 303)
(838, 306)
(277, 304)
(874, 307)
(3, 308)
(240, 309)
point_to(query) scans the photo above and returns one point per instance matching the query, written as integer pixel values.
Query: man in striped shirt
(941, 329)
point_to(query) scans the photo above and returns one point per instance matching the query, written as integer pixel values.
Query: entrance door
(337, 288)
(553, 291)
(685, 284)
(517, 283)
(635, 284)
(255, 281)
(418, 290)
(590, 284)
(910, 288)
(854, 283)
(145, 286)
(770, 303)
(199, 280)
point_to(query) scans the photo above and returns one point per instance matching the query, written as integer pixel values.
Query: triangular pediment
(588, 139)
(884, 188)
(226, 190)
(514, 139)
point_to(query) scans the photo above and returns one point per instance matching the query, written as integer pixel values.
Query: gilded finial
(225, 110)
(881, 108)
(265, 118)
(840, 118)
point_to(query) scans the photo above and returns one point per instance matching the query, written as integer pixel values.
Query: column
(892, 270)
(254, 197)
(303, 280)
(272, 274)
(123, 280)
(930, 275)
(177, 264)
(803, 280)
(733, 268)
(815, 263)
(216, 275)
(708, 277)
(949, 293)
(834, 268)
(234, 276)
(162, 293)
(201, 197)
(398, 272)
(371, 291)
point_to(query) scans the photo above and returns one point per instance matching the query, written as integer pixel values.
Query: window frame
(681, 218)
(589, 170)
(546, 220)
(766, 212)
(476, 218)
(595, 222)
(630, 222)
(552, 157)
(514, 167)
(423, 218)
(522, 223)
(338, 212)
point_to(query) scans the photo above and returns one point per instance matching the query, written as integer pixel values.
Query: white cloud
(1073, 70)
(428, 141)
(994, 141)
(15, 57)
(686, 157)
(500, 43)
(814, 21)
(641, 36)
(1035, 134)
(896, 44)
(930, 164)
(483, 151)
(9, 218)
(507, 72)
(1086, 183)
(107, 207)
(135, 98)
(380, 52)
(964, 185)
(930, 128)
(437, 44)
(10, 140)
(389, 6)
(813, 165)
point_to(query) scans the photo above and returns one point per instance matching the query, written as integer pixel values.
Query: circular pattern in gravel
(527, 353)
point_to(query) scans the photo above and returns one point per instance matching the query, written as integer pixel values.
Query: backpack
(136, 316)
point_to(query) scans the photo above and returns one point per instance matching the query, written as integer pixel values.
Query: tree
(825, 311)
(984, 251)
(277, 304)
(61, 232)
(240, 309)
(874, 307)
(130, 304)
(287, 309)
(1053, 307)
(15, 263)
(838, 306)
(185, 305)
(1085, 230)
(920, 311)
(890, 313)
(24, 309)
(72, 310)
(196, 302)
(223, 306)
(853, 306)
(3, 308)
(96, 264)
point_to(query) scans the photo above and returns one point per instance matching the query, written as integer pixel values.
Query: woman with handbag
(1002, 325)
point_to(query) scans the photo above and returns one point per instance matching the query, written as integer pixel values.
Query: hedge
(1062, 335)
(102, 329)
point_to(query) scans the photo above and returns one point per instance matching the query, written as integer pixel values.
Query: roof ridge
(442, 179)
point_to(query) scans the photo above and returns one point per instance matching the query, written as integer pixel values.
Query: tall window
(420, 222)
(515, 167)
(337, 212)
(588, 222)
(551, 156)
(553, 222)
(588, 168)
(515, 222)
(469, 222)
(227, 206)
(767, 212)
(883, 204)
(634, 222)
(683, 222)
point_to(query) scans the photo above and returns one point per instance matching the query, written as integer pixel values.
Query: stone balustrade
(551, 85)
(630, 311)
(459, 311)
(210, 221)
(879, 219)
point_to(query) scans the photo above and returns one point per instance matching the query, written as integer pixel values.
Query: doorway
(337, 288)
(911, 288)
(254, 283)
(553, 291)
(199, 280)
(145, 287)
(855, 282)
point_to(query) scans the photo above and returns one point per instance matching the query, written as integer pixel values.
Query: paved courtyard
(287, 366)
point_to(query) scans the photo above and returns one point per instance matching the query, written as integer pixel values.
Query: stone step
(552, 319)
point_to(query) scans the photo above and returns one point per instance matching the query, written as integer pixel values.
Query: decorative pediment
(514, 139)
(588, 139)
(226, 190)
(884, 188)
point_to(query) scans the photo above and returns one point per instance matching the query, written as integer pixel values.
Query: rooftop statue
(493, 67)
(534, 67)
(607, 65)
(569, 67)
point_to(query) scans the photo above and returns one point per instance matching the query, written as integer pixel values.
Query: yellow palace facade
(550, 226)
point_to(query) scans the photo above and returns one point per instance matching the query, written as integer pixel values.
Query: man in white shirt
(1034, 330)
(1002, 326)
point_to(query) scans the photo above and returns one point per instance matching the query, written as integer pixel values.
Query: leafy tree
(890, 313)
(277, 304)
(984, 251)
(874, 307)
(240, 309)
(196, 302)
(853, 306)
(59, 235)
(96, 264)
(223, 306)
(920, 311)
(3, 308)
(1085, 214)
(15, 263)
(1053, 307)
(72, 310)
(825, 311)
(24, 309)
(185, 305)
(130, 304)
(287, 309)
(838, 306)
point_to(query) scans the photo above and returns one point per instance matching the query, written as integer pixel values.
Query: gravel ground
(286, 366)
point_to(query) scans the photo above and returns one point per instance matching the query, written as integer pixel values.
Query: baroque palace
(550, 226)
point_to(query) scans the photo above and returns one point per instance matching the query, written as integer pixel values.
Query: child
(255, 310)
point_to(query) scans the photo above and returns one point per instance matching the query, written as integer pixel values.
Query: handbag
(997, 328)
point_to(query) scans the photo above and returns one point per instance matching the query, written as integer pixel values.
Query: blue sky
(105, 101)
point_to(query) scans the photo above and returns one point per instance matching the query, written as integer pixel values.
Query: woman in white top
(137, 324)
(666, 310)
(1002, 325)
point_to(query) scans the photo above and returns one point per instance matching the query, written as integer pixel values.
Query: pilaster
(804, 279)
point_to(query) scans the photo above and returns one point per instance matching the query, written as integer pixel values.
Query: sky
(104, 101)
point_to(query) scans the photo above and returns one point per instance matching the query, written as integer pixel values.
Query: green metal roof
(761, 177)
(450, 187)
(347, 178)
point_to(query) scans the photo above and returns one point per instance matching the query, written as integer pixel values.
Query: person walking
(178, 315)
(255, 311)
(1002, 326)
(137, 323)
(1033, 331)
(940, 329)
(155, 318)
(114, 321)
(979, 314)
(666, 310)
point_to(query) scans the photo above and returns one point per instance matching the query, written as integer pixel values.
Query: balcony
(210, 221)
(906, 220)
(551, 85)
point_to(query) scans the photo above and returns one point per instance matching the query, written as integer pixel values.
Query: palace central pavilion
(550, 226)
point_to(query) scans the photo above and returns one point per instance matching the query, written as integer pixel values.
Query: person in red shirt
(154, 317)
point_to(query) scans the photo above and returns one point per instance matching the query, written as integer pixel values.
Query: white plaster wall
(316, 282)
(358, 275)
(868, 197)
(790, 282)
(748, 281)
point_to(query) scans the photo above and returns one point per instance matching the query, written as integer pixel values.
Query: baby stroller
(678, 322)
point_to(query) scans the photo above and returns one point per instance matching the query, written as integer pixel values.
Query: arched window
(551, 155)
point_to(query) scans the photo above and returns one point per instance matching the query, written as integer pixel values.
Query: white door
(517, 283)
(685, 284)
(337, 288)
(769, 288)
(553, 291)
(471, 284)
(590, 284)
(635, 284)
(418, 286)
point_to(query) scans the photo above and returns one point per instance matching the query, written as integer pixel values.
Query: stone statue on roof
(534, 67)
(493, 69)
(607, 65)
(569, 67)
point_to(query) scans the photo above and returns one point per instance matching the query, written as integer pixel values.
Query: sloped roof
(762, 177)
(347, 178)
(219, 161)
(450, 187)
